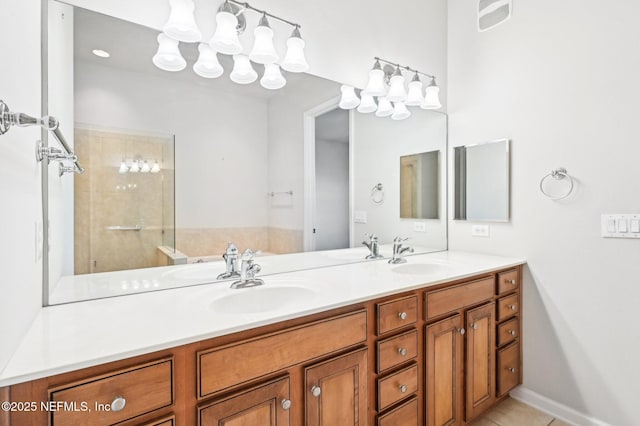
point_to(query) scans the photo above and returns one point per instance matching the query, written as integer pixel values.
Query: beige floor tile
(514, 413)
(557, 422)
(483, 422)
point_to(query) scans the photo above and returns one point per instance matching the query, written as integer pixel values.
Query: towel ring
(377, 194)
(558, 174)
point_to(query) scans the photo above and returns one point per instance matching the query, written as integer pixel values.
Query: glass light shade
(375, 85)
(123, 167)
(349, 99)
(155, 168)
(243, 72)
(145, 167)
(182, 24)
(135, 167)
(367, 104)
(385, 108)
(400, 111)
(431, 98)
(225, 39)
(168, 56)
(294, 60)
(396, 89)
(272, 78)
(263, 51)
(414, 96)
(207, 65)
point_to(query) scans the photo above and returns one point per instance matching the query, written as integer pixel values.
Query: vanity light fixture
(135, 167)
(101, 53)
(230, 23)
(146, 168)
(367, 104)
(156, 167)
(375, 86)
(400, 111)
(397, 93)
(432, 96)
(414, 95)
(385, 108)
(349, 99)
(123, 167)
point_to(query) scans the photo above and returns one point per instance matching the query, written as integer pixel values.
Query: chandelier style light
(181, 26)
(386, 94)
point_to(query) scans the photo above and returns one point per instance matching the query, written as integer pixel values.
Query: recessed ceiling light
(101, 53)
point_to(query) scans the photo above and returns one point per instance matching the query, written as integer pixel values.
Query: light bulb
(182, 24)
(225, 39)
(207, 65)
(396, 87)
(294, 60)
(168, 56)
(263, 51)
(145, 167)
(367, 104)
(272, 78)
(375, 85)
(385, 108)
(349, 99)
(156, 167)
(414, 96)
(400, 111)
(135, 167)
(243, 72)
(123, 167)
(432, 96)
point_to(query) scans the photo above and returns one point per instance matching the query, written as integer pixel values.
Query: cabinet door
(336, 391)
(265, 405)
(444, 369)
(480, 358)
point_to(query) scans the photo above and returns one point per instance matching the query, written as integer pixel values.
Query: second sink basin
(420, 268)
(261, 299)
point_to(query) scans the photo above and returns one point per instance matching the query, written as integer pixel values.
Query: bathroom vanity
(434, 341)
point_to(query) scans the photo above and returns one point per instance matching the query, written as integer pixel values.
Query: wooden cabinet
(480, 358)
(509, 332)
(336, 391)
(404, 415)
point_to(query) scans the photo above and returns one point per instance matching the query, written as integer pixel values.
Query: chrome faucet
(398, 250)
(372, 245)
(248, 271)
(231, 259)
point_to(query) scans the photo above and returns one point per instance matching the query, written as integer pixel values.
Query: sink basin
(261, 299)
(420, 268)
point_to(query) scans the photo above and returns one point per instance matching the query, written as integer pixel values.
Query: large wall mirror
(178, 166)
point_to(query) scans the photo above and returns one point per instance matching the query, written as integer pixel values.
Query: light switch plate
(419, 227)
(480, 231)
(360, 216)
(620, 225)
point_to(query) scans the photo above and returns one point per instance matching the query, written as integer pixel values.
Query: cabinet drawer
(397, 313)
(165, 421)
(267, 404)
(145, 388)
(452, 299)
(508, 331)
(228, 366)
(508, 368)
(508, 281)
(397, 386)
(396, 350)
(508, 306)
(404, 415)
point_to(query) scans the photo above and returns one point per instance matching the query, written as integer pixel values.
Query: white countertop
(69, 337)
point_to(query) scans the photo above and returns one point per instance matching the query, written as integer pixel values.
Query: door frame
(308, 238)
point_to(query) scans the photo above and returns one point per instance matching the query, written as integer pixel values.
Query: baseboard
(557, 410)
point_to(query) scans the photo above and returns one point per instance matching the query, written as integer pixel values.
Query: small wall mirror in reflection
(419, 185)
(481, 181)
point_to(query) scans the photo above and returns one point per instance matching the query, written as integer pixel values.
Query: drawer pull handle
(286, 404)
(512, 282)
(462, 331)
(474, 326)
(403, 388)
(402, 315)
(118, 403)
(402, 351)
(511, 370)
(315, 391)
(512, 307)
(512, 332)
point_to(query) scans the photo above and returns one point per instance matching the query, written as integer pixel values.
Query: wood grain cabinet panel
(508, 331)
(396, 350)
(404, 415)
(508, 368)
(508, 281)
(165, 421)
(480, 359)
(508, 307)
(264, 405)
(451, 299)
(143, 389)
(397, 386)
(397, 314)
(336, 391)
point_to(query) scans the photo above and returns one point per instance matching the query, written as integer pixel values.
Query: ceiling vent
(492, 13)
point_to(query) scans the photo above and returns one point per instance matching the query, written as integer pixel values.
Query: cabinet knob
(402, 388)
(512, 332)
(402, 351)
(315, 391)
(511, 369)
(512, 307)
(118, 403)
(474, 326)
(402, 315)
(512, 282)
(462, 331)
(286, 404)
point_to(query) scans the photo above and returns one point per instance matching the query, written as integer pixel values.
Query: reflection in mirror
(231, 156)
(481, 182)
(419, 185)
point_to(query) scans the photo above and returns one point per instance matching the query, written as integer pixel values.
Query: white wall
(21, 281)
(378, 144)
(561, 80)
(332, 194)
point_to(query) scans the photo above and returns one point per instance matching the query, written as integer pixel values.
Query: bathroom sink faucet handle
(372, 245)
(248, 271)
(398, 250)
(230, 257)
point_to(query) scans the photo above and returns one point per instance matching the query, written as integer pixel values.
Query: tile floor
(514, 413)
